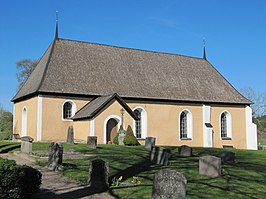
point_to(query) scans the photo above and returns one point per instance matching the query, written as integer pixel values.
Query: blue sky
(234, 30)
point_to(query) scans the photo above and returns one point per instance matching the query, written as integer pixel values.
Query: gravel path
(54, 185)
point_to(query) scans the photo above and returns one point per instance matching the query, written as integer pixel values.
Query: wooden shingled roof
(80, 68)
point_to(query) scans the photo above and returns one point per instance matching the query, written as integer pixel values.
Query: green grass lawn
(244, 179)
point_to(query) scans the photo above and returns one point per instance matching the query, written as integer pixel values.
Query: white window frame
(73, 109)
(143, 122)
(189, 125)
(228, 125)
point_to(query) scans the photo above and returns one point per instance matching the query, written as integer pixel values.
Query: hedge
(18, 181)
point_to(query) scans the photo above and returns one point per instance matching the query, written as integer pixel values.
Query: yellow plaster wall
(54, 127)
(31, 106)
(81, 130)
(163, 123)
(238, 127)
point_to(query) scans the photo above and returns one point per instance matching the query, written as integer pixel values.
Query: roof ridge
(47, 64)
(129, 48)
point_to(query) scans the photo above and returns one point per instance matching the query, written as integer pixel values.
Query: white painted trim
(251, 130)
(92, 127)
(74, 109)
(24, 121)
(207, 131)
(14, 119)
(117, 118)
(189, 124)
(39, 119)
(144, 122)
(228, 125)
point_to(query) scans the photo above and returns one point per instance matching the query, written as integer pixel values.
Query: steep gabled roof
(95, 107)
(80, 68)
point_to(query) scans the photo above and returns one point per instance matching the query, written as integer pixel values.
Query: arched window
(69, 109)
(185, 125)
(225, 125)
(140, 125)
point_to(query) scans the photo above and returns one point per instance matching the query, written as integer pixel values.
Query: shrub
(5, 136)
(18, 181)
(130, 139)
(115, 140)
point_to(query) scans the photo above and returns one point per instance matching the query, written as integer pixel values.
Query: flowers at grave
(136, 180)
(117, 181)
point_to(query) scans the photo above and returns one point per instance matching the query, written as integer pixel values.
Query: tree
(25, 68)
(6, 124)
(258, 111)
(258, 99)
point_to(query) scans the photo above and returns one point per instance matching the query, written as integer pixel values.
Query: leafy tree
(6, 125)
(25, 68)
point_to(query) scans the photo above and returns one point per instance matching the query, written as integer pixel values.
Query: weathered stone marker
(55, 159)
(92, 141)
(150, 142)
(98, 175)
(185, 150)
(26, 144)
(70, 135)
(227, 157)
(160, 155)
(121, 137)
(169, 184)
(210, 166)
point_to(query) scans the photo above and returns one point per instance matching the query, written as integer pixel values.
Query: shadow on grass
(8, 147)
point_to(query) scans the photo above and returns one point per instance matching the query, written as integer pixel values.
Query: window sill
(226, 138)
(140, 138)
(67, 120)
(185, 139)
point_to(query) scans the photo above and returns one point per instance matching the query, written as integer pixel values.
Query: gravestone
(169, 184)
(227, 157)
(55, 159)
(98, 175)
(210, 166)
(92, 141)
(150, 142)
(26, 144)
(121, 137)
(70, 135)
(159, 155)
(185, 150)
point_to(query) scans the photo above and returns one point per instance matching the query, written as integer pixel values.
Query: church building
(95, 88)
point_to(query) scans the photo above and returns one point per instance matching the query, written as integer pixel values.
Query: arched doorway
(24, 122)
(111, 129)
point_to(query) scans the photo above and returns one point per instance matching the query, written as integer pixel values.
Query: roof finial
(56, 28)
(204, 50)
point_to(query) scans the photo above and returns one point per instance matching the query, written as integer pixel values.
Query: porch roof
(99, 104)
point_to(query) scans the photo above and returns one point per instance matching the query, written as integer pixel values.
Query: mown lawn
(246, 178)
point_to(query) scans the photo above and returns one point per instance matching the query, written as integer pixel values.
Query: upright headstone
(55, 159)
(227, 157)
(70, 135)
(98, 175)
(210, 166)
(159, 155)
(26, 144)
(185, 150)
(169, 184)
(150, 142)
(92, 141)
(121, 137)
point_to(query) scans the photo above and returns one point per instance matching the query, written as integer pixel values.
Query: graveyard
(132, 169)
